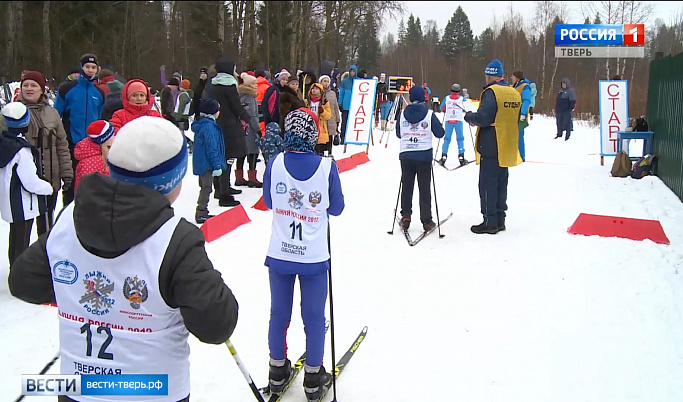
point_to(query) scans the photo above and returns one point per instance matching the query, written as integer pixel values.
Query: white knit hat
(150, 151)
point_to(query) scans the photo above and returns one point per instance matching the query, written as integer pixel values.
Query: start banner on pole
(361, 112)
(613, 114)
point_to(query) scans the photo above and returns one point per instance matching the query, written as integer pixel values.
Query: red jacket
(103, 84)
(262, 86)
(89, 157)
(131, 112)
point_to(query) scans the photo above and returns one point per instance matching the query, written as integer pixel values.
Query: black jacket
(229, 120)
(268, 117)
(112, 103)
(111, 217)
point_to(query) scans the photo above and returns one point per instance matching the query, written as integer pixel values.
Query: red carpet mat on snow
(615, 226)
(224, 223)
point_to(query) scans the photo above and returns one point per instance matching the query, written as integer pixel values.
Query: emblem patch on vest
(135, 291)
(314, 198)
(295, 197)
(98, 287)
(281, 188)
(65, 272)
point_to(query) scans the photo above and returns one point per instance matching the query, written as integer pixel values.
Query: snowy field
(532, 314)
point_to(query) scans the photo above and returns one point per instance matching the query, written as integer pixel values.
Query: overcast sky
(481, 15)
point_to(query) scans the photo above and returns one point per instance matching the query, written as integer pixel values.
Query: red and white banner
(361, 112)
(613, 114)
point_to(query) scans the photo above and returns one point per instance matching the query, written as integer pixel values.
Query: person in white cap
(22, 186)
(130, 295)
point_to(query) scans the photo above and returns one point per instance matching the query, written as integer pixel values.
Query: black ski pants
(423, 170)
(19, 238)
(493, 191)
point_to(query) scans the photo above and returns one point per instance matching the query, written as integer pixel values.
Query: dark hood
(327, 67)
(567, 82)
(112, 216)
(10, 144)
(415, 112)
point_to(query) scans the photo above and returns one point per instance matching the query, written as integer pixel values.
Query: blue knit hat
(16, 114)
(417, 94)
(149, 151)
(494, 69)
(209, 106)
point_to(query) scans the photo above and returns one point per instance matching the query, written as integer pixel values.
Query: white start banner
(361, 112)
(613, 114)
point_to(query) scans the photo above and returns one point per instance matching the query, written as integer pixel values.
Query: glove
(216, 173)
(522, 118)
(67, 183)
(162, 68)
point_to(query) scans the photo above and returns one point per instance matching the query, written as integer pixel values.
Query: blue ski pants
(522, 151)
(313, 300)
(458, 135)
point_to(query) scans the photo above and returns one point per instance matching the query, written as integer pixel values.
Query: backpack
(644, 166)
(622, 165)
(641, 124)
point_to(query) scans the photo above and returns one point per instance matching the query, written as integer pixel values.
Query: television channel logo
(600, 34)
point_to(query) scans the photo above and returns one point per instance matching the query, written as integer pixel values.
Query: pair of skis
(299, 364)
(452, 168)
(425, 233)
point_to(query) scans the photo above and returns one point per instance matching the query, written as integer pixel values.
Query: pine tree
(413, 32)
(463, 31)
(402, 33)
(448, 43)
(369, 48)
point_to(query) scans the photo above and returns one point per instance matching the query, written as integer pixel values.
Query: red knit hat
(34, 76)
(100, 131)
(251, 73)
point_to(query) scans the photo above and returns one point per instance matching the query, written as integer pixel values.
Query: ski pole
(43, 371)
(329, 274)
(400, 183)
(436, 203)
(244, 371)
(438, 142)
(469, 128)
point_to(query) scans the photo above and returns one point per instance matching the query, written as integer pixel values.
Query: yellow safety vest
(509, 103)
(520, 87)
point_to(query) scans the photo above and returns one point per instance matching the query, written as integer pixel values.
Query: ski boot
(405, 222)
(278, 375)
(461, 159)
(427, 226)
(316, 381)
(442, 161)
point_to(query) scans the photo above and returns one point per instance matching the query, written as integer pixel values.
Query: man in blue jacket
(345, 92)
(79, 103)
(521, 84)
(415, 127)
(497, 146)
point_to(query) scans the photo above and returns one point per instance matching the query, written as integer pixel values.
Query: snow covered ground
(530, 314)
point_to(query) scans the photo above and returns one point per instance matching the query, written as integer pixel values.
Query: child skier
(415, 127)
(302, 189)
(454, 106)
(208, 159)
(316, 100)
(21, 187)
(91, 153)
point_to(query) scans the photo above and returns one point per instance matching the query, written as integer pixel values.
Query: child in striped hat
(92, 152)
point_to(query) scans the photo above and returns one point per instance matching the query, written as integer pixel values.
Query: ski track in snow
(530, 314)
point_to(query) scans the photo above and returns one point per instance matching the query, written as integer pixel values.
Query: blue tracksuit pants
(384, 109)
(458, 135)
(522, 151)
(313, 299)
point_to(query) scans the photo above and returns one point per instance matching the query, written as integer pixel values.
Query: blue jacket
(78, 103)
(566, 99)
(485, 116)
(415, 113)
(209, 148)
(302, 166)
(346, 89)
(526, 96)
